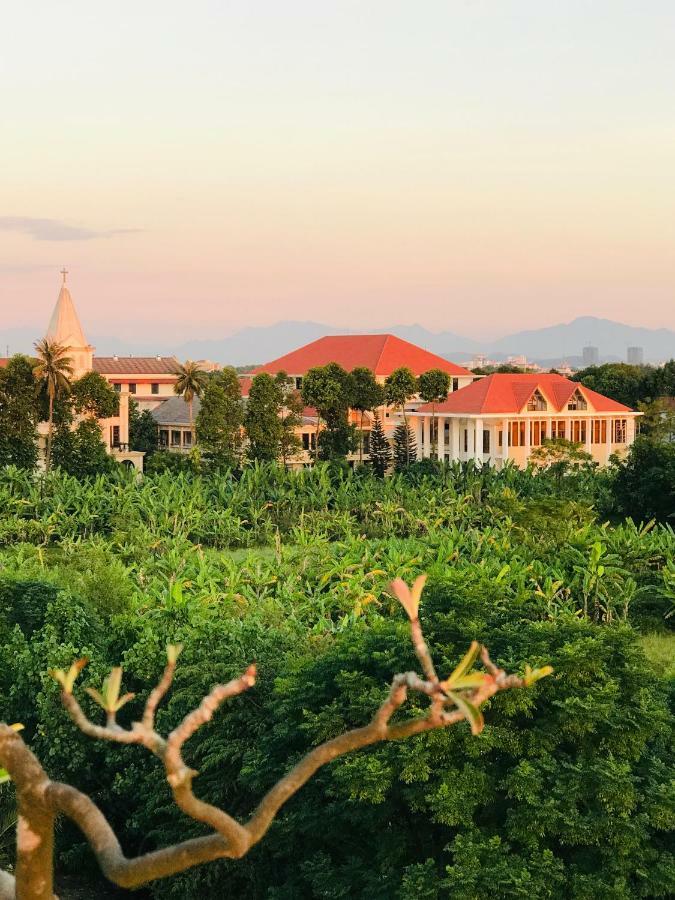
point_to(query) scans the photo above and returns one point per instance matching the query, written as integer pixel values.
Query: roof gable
(382, 353)
(509, 394)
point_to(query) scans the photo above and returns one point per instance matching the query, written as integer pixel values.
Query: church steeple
(65, 328)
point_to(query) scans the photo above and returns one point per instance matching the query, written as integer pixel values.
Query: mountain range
(550, 345)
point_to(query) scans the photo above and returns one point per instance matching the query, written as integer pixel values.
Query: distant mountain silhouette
(260, 344)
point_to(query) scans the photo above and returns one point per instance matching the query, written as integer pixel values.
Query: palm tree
(190, 383)
(55, 369)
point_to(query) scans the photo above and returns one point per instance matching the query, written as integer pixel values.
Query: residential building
(635, 356)
(503, 417)
(175, 431)
(382, 354)
(146, 379)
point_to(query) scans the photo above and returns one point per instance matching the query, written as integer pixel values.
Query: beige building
(504, 417)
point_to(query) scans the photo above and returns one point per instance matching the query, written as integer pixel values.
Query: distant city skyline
(475, 167)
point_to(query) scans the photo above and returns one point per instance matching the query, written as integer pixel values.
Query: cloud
(55, 230)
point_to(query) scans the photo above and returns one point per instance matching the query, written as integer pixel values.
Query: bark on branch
(40, 800)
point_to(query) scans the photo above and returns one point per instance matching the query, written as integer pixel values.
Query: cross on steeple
(64, 272)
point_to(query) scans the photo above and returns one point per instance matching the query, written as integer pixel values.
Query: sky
(479, 166)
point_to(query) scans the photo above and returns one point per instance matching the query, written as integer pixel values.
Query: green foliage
(400, 387)
(631, 385)
(80, 451)
(19, 414)
(644, 486)
(220, 419)
(380, 449)
(291, 418)
(92, 396)
(262, 419)
(143, 431)
(405, 447)
(330, 390)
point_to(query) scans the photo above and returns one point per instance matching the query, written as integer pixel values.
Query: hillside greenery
(568, 792)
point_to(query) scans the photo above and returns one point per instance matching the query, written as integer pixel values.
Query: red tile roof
(500, 393)
(382, 353)
(3, 361)
(135, 365)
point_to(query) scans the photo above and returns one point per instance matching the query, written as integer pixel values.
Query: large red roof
(502, 393)
(3, 362)
(382, 353)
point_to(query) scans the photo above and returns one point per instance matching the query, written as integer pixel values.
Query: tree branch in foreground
(458, 697)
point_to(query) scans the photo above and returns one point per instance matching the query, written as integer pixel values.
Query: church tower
(64, 327)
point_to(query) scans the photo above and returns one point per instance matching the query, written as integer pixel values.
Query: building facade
(504, 417)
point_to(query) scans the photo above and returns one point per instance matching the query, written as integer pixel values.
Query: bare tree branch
(459, 697)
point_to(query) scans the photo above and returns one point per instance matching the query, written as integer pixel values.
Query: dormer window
(537, 402)
(577, 401)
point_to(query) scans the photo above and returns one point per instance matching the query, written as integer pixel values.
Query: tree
(40, 800)
(143, 430)
(367, 396)
(644, 486)
(433, 387)
(405, 447)
(54, 369)
(191, 382)
(19, 414)
(622, 382)
(380, 449)
(92, 396)
(559, 456)
(329, 390)
(80, 451)
(400, 387)
(262, 419)
(220, 419)
(290, 417)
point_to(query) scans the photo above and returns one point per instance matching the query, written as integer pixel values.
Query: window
(500, 438)
(175, 438)
(557, 428)
(163, 437)
(599, 431)
(132, 388)
(154, 388)
(187, 438)
(366, 442)
(308, 440)
(466, 441)
(537, 402)
(620, 431)
(577, 401)
(455, 384)
(579, 431)
(486, 440)
(517, 434)
(298, 383)
(537, 433)
(117, 387)
(115, 436)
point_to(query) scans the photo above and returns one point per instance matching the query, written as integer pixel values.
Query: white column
(478, 440)
(527, 439)
(506, 434)
(493, 442)
(630, 430)
(440, 442)
(426, 425)
(417, 431)
(589, 429)
(610, 438)
(124, 417)
(454, 439)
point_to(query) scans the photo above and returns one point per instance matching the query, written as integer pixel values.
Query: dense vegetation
(568, 791)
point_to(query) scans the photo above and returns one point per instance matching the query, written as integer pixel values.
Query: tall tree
(367, 396)
(54, 368)
(405, 447)
(93, 397)
(433, 387)
(329, 390)
(19, 413)
(220, 419)
(380, 449)
(400, 387)
(262, 419)
(190, 383)
(143, 431)
(290, 417)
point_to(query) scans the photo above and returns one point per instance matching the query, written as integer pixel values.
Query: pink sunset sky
(475, 166)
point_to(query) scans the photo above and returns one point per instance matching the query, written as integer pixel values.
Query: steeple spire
(65, 329)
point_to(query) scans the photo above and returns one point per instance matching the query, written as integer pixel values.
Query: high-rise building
(635, 356)
(590, 356)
